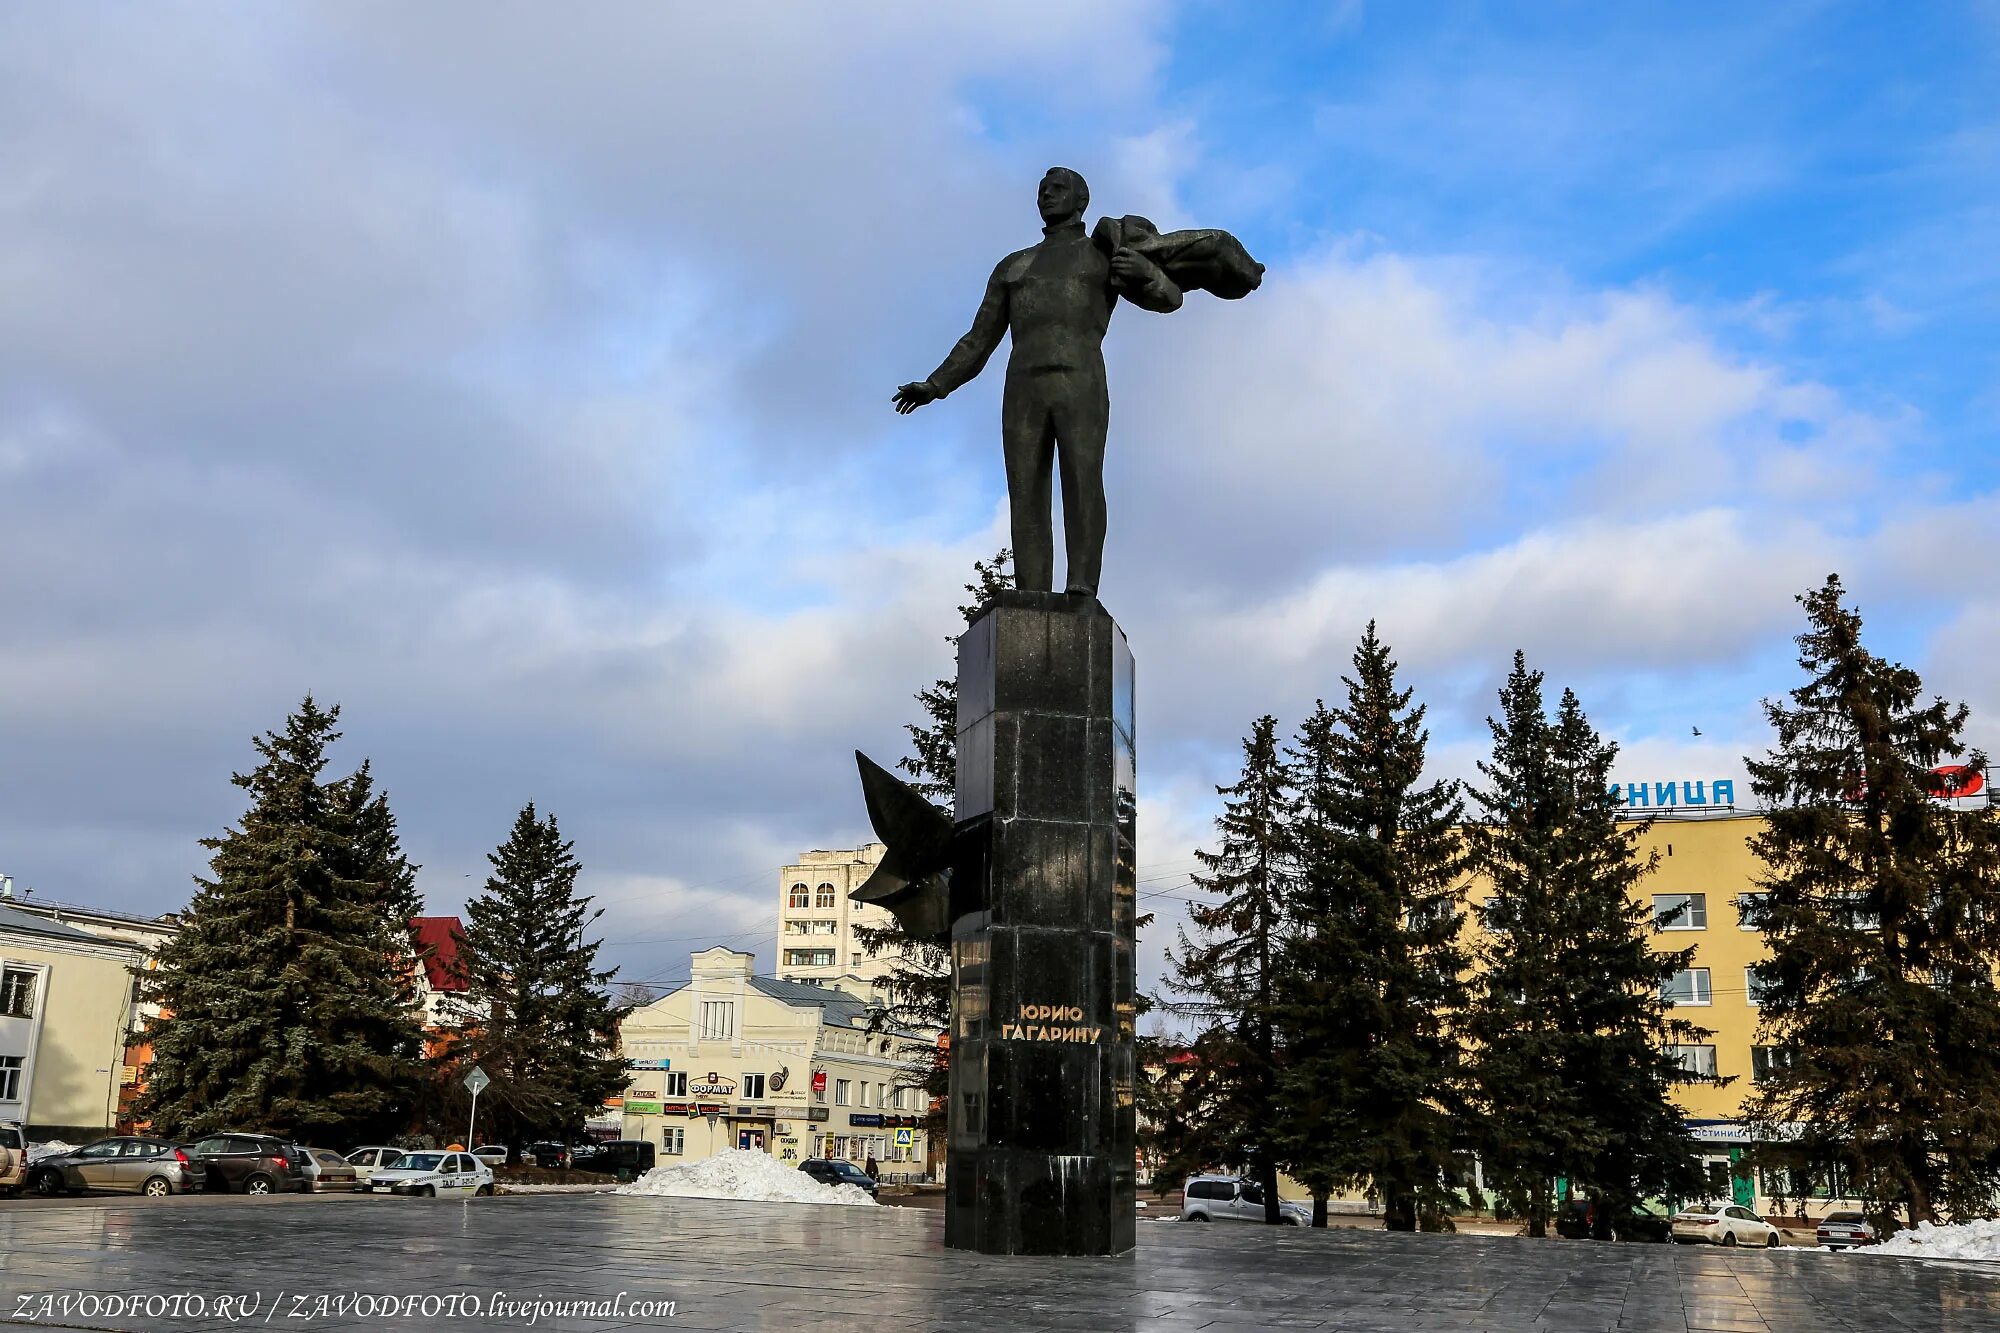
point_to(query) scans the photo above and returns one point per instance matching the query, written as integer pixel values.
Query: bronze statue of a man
(1055, 298)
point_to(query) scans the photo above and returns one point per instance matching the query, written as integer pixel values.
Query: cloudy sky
(517, 377)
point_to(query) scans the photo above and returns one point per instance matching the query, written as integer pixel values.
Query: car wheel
(157, 1187)
(430, 1192)
(485, 1190)
(1771, 1241)
(1197, 1217)
(48, 1184)
(1729, 1238)
(257, 1185)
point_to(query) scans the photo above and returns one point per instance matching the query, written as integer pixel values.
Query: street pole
(470, 1142)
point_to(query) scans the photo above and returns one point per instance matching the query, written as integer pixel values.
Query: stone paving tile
(755, 1267)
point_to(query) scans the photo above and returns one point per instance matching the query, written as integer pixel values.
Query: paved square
(796, 1268)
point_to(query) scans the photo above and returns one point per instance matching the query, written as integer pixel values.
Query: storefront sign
(778, 1079)
(819, 1080)
(715, 1085)
(652, 1064)
(643, 1094)
(818, 1113)
(642, 1108)
(863, 1120)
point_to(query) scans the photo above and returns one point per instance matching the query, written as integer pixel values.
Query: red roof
(438, 938)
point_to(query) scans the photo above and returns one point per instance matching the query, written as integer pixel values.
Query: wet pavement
(380, 1263)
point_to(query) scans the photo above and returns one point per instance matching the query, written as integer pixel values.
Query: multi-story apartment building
(66, 1000)
(816, 919)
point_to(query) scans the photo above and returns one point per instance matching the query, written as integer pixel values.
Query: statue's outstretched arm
(969, 357)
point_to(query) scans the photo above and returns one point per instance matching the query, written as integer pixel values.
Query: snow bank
(37, 1151)
(738, 1173)
(1966, 1240)
(506, 1188)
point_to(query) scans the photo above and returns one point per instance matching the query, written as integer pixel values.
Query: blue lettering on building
(1672, 795)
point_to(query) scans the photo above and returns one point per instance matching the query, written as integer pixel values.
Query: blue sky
(519, 380)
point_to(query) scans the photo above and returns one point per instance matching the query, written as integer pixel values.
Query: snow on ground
(738, 1173)
(1966, 1240)
(505, 1188)
(37, 1151)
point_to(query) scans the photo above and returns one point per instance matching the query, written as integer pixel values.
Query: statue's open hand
(1130, 267)
(913, 396)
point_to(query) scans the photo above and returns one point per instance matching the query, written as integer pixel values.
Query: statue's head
(1062, 196)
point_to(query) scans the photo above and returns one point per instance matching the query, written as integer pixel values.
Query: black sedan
(833, 1171)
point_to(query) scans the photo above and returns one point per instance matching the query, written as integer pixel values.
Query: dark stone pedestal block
(1042, 1118)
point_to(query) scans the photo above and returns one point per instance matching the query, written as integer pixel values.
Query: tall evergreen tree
(1371, 968)
(919, 980)
(377, 861)
(536, 1013)
(282, 998)
(1226, 971)
(1883, 919)
(1571, 1074)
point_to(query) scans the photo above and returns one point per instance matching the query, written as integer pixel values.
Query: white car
(1725, 1224)
(433, 1173)
(367, 1161)
(493, 1154)
(1230, 1199)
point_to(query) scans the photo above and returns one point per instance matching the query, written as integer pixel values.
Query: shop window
(676, 1082)
(1680, 911)
(718, 1019)
(1696, 1060)
(17, 993)
(1688, 986)
(673, 1140)
(842, 1090)
(823, 898)
(799, 899)
(753, 1087)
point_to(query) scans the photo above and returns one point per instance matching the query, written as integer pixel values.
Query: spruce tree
(1226, 971)
(1371, 969)
(377, 861)
(1571, 1075)
(919, 980)
(282, 997)
(1883, 920)
(536, 1013)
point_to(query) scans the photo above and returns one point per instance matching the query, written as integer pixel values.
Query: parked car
(252, 1163)
(127, 1164)
(327, 1171)
(619, 1156)
(493, 1154)
(552, 1155)
(1230, 1199)
(834, 1171)
(367, 1161)
(1724, 1224)
(430, 1174)
(1840, 1231)
(1579, 1220)
(13, 1159)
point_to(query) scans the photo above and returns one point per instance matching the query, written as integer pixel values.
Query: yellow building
(816, 918)
(65, 1008)
(735, 1060)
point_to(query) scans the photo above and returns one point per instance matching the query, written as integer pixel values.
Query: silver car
(326, 1171)
(1232, 1199)
(127, 1165)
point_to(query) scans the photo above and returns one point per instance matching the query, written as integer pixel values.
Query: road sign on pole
(906, 1138)
(477, 1081)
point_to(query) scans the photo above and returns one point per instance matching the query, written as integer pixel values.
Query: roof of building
(438, 940)
(12, 918)
(838, 1007)
(54, 909)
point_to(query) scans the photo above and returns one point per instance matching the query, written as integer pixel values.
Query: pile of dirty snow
(507, 1188)
(738, 1173)
(37, 1151)
(1966, 1240)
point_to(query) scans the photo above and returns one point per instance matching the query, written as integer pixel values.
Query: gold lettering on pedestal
(1050, 1022)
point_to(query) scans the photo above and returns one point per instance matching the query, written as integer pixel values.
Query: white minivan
(1230, 1199)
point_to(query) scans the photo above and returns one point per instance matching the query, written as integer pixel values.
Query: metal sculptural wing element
(914, 879)
(1054, 300)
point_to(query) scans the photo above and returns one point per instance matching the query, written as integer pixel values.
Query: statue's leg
(1081, 422)
(1027, 435)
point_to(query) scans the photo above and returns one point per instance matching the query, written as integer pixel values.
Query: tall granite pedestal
(1040, 1147)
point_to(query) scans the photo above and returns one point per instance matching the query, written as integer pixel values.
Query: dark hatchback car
(252, 1163)
(1579, 1220)
(626, 1158)
(128, 1164)
(833, 1171)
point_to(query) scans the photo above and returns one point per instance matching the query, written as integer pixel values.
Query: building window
(1766, 1061)
(1853, 911)
(10, 1078)
(799, 899)
(809, 957)
(823, 897)
(1697, 1060)
(854, 960)
(1680, 911)
(17, 993)
(867, 1094)
(1751, 909)
(676, 1082)
(753, 1087)
(842, 1090)
(1688, 986)
(1755, 987)
(718, 1019)
(673, 1140)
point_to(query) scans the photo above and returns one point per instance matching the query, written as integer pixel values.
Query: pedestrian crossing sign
(905, 1138)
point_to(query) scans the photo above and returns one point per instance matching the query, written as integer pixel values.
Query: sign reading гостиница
(1663, 795)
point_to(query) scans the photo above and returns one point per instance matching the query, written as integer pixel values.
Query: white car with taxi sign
(432, 1174)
